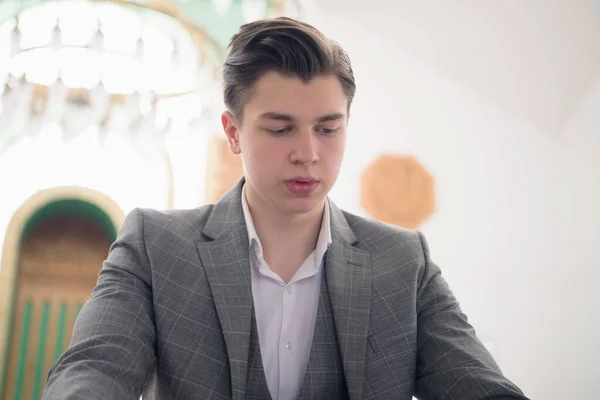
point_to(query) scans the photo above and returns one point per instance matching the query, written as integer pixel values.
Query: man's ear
(230, 127)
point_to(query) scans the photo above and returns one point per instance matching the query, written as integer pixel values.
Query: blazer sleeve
(452, 363)
(112, 347)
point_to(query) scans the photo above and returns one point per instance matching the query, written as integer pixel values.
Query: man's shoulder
(177, 213)
(385, 240)
(397, 255)
(185, 223)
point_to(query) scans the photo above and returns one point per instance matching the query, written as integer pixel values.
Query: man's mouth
(302, 185)
(301, 179)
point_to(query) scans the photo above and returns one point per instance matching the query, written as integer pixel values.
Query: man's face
(291, 140)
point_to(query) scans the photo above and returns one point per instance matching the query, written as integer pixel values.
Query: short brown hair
(284, 45)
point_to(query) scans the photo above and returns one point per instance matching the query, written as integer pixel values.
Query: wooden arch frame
(17, 228)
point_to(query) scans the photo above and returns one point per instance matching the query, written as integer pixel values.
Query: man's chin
(303, 205)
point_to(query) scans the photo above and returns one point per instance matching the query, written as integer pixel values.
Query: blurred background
(476, 122)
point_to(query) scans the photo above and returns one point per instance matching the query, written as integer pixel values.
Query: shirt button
(288, 346)
(289, 289)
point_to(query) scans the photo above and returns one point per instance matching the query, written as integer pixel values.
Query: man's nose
(305, 149)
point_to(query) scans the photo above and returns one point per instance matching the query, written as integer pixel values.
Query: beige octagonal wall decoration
(398, 190)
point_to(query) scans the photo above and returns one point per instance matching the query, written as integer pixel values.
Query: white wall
(517, 226)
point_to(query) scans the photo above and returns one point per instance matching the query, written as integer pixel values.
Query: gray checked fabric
(324, 377)
(257, 389)
(170, 316)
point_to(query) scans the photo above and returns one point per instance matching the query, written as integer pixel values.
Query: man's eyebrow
(277, 116)
(290, 118)
(331, 117)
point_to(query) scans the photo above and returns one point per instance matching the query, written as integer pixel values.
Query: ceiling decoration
(136, 70)
(89, 63)
(398, 190)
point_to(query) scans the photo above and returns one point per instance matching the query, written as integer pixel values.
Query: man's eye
(279, 132)
(328, 131)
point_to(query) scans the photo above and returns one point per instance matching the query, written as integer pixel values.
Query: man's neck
(286, 240)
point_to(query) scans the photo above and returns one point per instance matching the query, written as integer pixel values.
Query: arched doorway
(61, 244)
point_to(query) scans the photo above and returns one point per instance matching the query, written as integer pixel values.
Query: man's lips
(302, 185)
(303, 179)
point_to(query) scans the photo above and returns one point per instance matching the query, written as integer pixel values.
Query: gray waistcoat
(324, 377)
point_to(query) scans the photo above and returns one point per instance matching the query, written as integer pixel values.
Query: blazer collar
(228, 215)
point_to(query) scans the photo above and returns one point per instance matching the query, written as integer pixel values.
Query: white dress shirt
(285, 313)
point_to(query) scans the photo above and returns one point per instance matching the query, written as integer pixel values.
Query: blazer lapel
(225, 258)
(349, 283)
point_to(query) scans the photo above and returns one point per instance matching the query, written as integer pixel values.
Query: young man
(274, 292)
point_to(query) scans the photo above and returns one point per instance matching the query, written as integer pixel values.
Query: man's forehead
(274, 80)
(292, 96)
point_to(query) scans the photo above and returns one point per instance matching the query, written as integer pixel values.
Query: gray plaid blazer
(170, 316)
